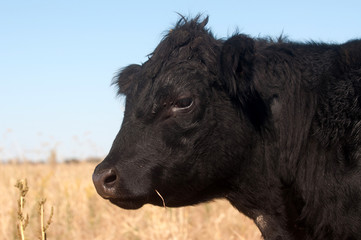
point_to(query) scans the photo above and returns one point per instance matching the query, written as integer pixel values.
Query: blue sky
(57, 59)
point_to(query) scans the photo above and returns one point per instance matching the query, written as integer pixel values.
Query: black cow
(271, 125)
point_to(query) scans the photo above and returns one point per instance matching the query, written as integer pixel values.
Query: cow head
(182, 135)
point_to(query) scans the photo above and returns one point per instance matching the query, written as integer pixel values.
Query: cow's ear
(126, 79)
(237, 66)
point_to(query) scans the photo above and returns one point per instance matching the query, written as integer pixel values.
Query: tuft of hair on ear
(125, 80)
(236, 62)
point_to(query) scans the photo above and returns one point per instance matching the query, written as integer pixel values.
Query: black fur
(274, 127)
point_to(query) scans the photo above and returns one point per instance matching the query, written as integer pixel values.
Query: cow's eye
(183, 103)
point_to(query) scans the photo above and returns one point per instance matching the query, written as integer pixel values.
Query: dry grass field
(79, 213)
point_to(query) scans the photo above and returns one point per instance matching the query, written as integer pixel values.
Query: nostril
(110, 177)
(105, 182)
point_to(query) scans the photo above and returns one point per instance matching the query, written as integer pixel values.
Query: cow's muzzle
(105, 182)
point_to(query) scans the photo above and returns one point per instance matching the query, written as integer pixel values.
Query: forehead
(187, 49)
(174, 79)
(179, 71)
(185, 59)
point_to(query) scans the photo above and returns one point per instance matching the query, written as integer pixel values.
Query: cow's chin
(128, 204)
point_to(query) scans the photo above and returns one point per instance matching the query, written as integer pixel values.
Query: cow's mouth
(136, 202)
(128, 203)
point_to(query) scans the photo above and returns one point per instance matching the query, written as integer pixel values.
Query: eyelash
(183, 103)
